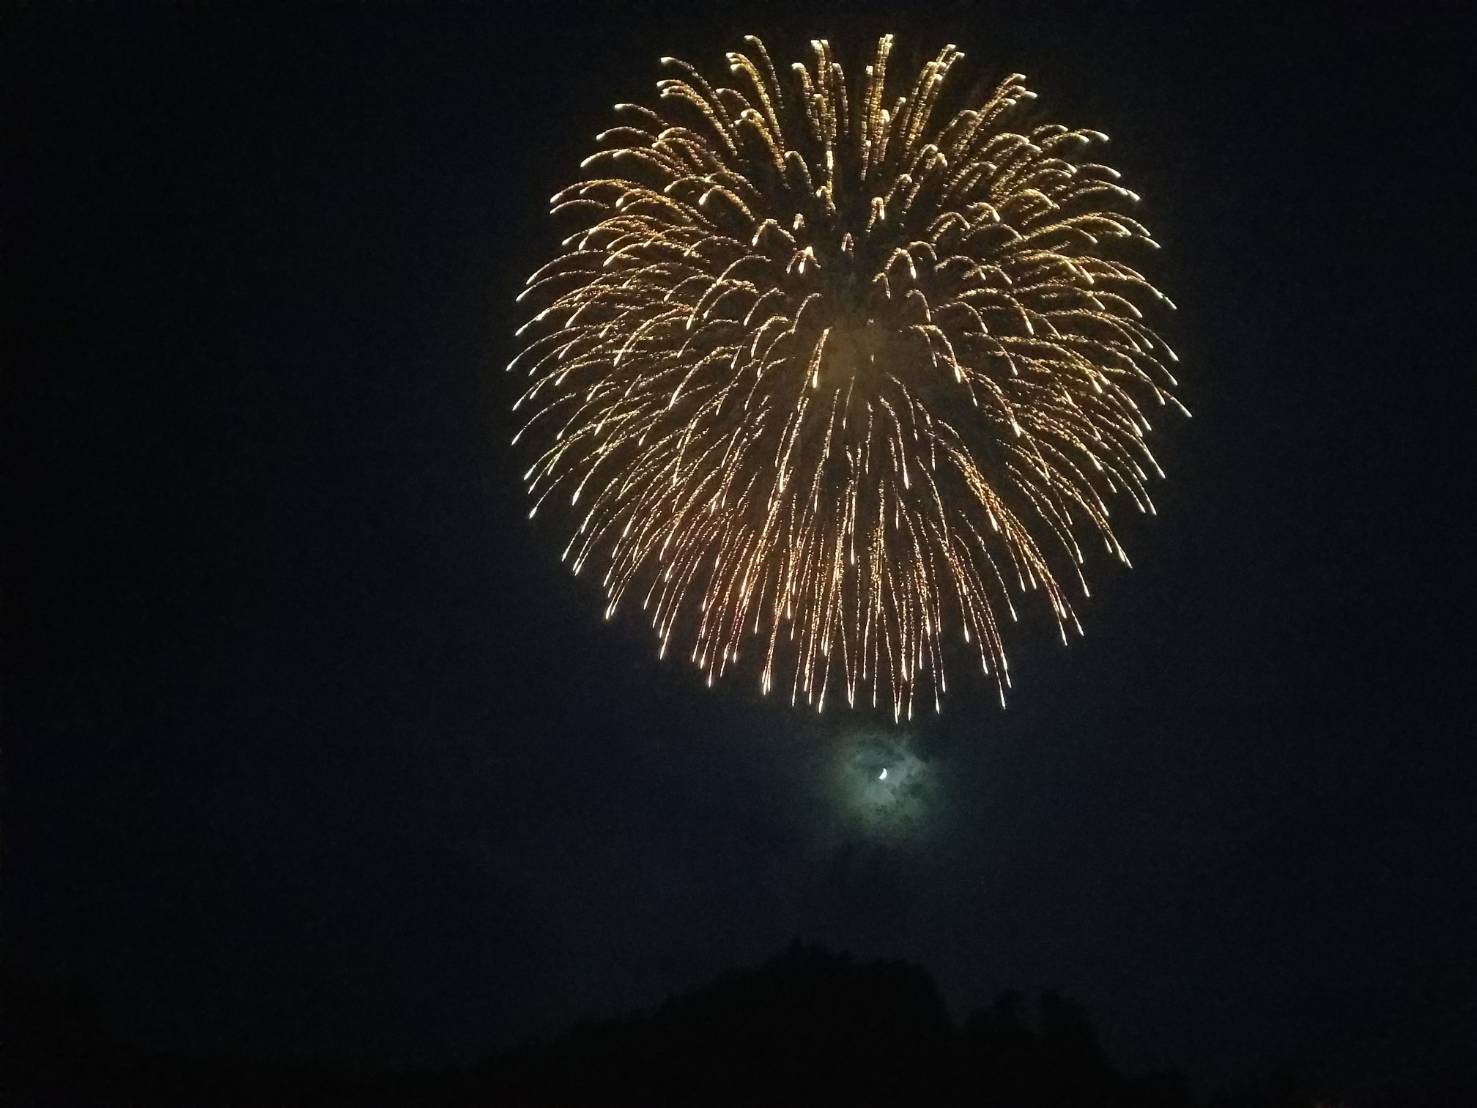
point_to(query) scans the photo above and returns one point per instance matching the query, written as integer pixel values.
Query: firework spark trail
(824, 382)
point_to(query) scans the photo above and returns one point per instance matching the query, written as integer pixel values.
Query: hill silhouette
(807, 1027)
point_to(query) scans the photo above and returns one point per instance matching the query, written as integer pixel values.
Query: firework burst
(825, 383)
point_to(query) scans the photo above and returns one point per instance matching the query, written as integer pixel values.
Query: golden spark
(824, 382)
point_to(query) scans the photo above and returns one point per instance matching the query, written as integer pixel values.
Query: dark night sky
(311, 747)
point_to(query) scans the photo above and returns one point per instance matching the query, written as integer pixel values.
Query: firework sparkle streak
(824, 383)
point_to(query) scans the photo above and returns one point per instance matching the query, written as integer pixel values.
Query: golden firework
(825, 382)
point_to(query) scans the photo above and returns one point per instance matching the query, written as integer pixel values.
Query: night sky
(313, 749)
